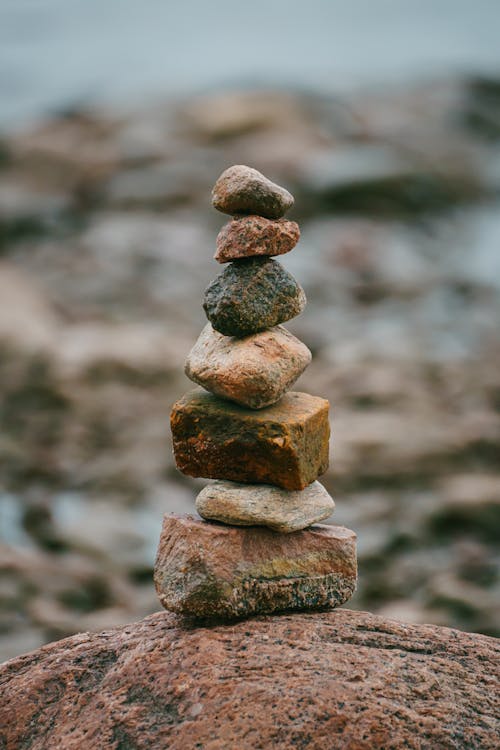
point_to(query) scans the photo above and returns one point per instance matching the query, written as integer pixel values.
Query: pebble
(212, 570)
(244, 190)
(254, 371)
(248, 236)
(285, 445)
(263, 505)
(252, 295)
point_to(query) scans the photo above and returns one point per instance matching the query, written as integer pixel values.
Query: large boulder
(340, 679)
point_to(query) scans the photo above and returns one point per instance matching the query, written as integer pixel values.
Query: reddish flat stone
(248, 236)
(285, 444)
(211, 570)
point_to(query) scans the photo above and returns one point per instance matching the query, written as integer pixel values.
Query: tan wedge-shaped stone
(254, 371)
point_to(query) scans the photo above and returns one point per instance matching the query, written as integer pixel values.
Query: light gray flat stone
(263, 505)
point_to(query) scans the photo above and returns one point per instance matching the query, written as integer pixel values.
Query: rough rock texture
(212, 570)
(247, 236)
(254, 371)
(319, 681)
(263, 505)
(244, 190)
(285, 444)
(251, 295)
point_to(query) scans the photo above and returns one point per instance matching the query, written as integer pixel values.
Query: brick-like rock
(210, 570)
(262, 505)
(244, 190)
(254, 371)
(251, 295)
(285, 444)
(249, 236)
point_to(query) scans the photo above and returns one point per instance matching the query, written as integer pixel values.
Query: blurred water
(55, 53)
(11, 528)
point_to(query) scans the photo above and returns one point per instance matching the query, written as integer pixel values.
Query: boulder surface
(319, 681)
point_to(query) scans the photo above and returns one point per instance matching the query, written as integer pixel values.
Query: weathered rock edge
(319, 681)
(206, 569)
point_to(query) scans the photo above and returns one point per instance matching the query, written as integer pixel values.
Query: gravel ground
(106, 245)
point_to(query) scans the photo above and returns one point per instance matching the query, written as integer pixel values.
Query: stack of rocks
(257, 549)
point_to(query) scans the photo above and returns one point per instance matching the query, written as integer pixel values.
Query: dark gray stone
(252, 295)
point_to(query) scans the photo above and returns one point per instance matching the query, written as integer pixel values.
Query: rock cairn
(258, 547)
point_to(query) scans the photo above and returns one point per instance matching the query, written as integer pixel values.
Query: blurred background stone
(107, 240)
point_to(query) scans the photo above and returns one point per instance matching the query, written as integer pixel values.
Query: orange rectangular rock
(285, 444)
(206, 569)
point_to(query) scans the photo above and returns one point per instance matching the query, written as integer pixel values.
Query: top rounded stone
(244, 190)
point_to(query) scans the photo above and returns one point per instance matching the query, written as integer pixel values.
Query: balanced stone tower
(258, 546)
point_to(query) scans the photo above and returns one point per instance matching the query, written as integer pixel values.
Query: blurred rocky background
(106, 245)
